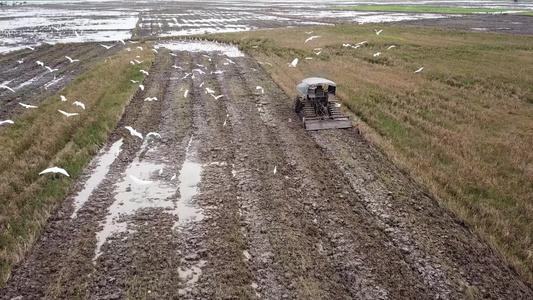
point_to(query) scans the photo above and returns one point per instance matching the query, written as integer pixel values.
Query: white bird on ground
(20, 61)
(128, 49)
(225, 121)
(160, 171)
(71, 60)
(139, 47)
(31, 48)
(377, 54)
(202, 84)
(362, 43)
(173, 54)
(63, 98)
(309, 32)
(138, 61)
(177, 67)
(144, 72)
(312, 38)
(3, 86)
(134, 81)
(107, 47)
(260, 88)
(133, 42)
(141, 87)
(419, 70)
(6, 122)
(308, 58)
(150, 99)
(318, 53)
(186, 93)
(391, 46)
(173, 177)
(27, 106)
(131, 62)
(218, 72)
(275, 169)
(79, 104)
(50, 69)
(122, 41)
(68, 114)
(134, 132)
(155, 51)
(155, 134)
(208, 90)
(55, 170)
(40, 63)
(378, 32)
(293, 63)
(199, 71)
(217, 97)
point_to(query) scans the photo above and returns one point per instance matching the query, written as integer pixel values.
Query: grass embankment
(429, 9)
(41, 138)
(463, 126)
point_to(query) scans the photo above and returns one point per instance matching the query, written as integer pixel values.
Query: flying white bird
(3, 86)
(378, 32)
(308, 58)
(133, 42)
(128, 49)
(131, 62)
(419, 70)
(134, 132)
(134, 81)
(50, 69)
(377, 54)
(293, 63)
(275, 169)
(362, 43)
(150, 99)
(173, 54)
(55, 170)
(63, 98)
(309, 32)
(175, 20)
(312, 38)
(71, 60)
(160, 171)
(20, 61)
(107, 47)
(79, 104)
(153, 134)
(155, 51)
(217, 72)
(173, 177)
(138, 61)
(260, 88)
(202, 84)
(225, 121)
(186, 93)
(177, 67)
(139, 47)
(27, 106)
(318, 53)
(139, 181)
(217, 97)
(76, 33)
(31, 48)
(208, 90)
(68, 114)
(391, 46)
(144, 72)
(6, 122)
(122, 41)
(141, 87)
(40, 63)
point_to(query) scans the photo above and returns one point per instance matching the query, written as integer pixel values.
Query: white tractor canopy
(313, 81)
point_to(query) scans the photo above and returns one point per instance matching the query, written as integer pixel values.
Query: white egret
(55, 170)
(27, 106)
(134, 132)
(312, 38)
(79, 104)
(68, 114)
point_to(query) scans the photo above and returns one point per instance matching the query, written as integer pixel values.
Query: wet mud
(236, 200)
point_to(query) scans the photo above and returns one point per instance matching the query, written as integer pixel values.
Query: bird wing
(6, 122)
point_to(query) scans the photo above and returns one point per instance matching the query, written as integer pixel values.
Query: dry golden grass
(43, 137)
(463, 126)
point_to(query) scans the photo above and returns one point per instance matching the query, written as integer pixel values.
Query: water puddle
(103, 163)
(199, 46)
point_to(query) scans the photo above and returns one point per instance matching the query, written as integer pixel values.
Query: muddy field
(230, 198)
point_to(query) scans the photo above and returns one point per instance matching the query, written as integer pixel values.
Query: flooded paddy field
(63, 22)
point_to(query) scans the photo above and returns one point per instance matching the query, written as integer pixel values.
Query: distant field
(444, 10)
(463, 126)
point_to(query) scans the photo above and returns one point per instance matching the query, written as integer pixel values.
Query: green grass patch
(428, 9)
(42, 138)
